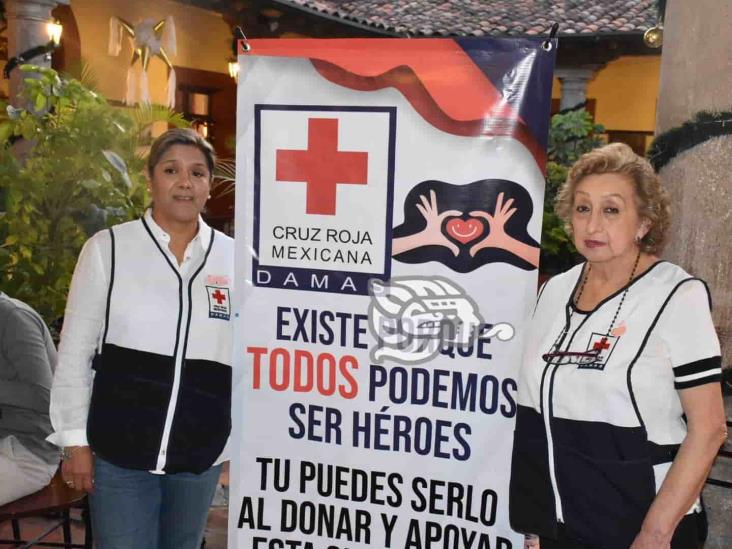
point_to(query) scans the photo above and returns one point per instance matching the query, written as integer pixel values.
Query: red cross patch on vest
(603, 343)
(219, 305)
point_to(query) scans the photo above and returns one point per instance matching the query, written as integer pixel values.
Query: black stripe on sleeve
(713, 377)
(698, 366)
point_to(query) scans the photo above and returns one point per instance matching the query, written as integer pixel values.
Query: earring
(638, 239)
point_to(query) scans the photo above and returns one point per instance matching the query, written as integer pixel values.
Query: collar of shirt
(195, 247)
(202, 237)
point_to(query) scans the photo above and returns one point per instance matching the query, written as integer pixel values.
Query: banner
(388, 218)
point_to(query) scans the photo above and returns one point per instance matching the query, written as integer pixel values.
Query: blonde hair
(651, 199)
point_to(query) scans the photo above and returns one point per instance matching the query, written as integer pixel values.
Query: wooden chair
(57, 497)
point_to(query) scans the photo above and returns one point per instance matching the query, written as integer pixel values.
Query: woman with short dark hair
(620, 410)
(142, 392)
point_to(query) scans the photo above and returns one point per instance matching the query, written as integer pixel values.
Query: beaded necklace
(554, 353)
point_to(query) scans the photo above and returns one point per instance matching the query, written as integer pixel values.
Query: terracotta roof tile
(495, 17)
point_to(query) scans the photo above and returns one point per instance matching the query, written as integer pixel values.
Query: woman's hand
(432, 234)
(497, 237)
(78, 469)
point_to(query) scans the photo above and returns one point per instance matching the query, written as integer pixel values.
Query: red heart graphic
(464, 230)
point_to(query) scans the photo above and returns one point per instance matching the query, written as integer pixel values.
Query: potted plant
(571, 134)
(83, 172)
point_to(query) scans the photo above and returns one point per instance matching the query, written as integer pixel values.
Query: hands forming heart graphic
(466, 232)
(456, 229)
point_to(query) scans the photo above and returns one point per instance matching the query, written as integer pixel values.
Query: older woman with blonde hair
(620, 410)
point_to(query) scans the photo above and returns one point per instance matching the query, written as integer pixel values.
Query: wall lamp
(234, 69)
(54, 29)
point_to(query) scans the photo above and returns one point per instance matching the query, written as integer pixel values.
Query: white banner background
(262, 417)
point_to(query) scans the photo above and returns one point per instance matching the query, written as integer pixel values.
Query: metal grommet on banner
(547, 44)
(239, 33)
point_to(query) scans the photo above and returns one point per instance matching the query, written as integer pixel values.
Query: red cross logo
(601, 345)
(218, 296)
(322, 166)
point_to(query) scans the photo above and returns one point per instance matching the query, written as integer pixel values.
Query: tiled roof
(489, 17)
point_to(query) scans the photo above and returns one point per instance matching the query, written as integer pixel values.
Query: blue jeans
(134, 509)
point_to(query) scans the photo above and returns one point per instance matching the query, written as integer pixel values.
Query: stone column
(27, 21)
(574, 82)
(696, 75)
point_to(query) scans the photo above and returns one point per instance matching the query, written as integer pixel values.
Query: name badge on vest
(603, 344)
(219, 305)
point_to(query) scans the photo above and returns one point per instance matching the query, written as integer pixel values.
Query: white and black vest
(161, 398)
(596, 435)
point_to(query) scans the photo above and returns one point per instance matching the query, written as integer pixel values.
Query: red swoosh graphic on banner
(436, 76)
(404, 79)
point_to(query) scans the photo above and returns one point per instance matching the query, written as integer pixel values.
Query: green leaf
(118, 164)
(571, 134)
(40, 102)
(90, 184)
(6, 130)
(49, 197)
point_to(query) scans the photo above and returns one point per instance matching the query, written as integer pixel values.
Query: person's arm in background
(689, 334)
(23, 346)
(72, 382)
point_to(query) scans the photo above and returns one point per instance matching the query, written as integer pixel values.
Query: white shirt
(84, 325)
(605, 405)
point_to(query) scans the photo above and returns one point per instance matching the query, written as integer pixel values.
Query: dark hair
(180, 136)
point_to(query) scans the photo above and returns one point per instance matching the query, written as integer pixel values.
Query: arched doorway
(67, 57)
